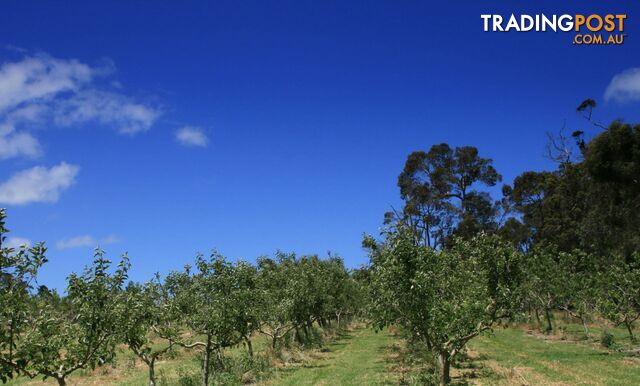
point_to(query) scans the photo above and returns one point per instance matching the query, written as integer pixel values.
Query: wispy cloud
(86, 241)
(40, 91)
(16, 144)
(37, 78)
(105, 108)
(17, 242)
(38, 184)
(624, 87)
(192, 136)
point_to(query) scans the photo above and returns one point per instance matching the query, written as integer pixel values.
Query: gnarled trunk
(206, 362)
(249, 346)
(444, 363)
(629, 326)
(152, 371)
(585, 326)
(297, 336)
(547, 314)
(219, 357)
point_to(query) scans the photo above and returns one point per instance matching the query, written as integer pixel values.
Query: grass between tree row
(523, 355)
(361, 356)
(182, 367)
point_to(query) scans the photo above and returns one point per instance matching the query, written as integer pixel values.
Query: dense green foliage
(441, 201)
(453, 263)
(590, 204)
(443, 298)
(150, 315)
(210, 307)
(18, 270)
(55, 339)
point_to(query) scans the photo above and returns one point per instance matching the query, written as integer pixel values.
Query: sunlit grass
(361, 356)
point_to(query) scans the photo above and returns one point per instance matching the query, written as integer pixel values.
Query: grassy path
(356, 358)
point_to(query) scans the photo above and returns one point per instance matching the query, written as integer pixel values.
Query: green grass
(515, 356)
(576, 332)
(363, 357)
(356, 358)
(507, 357)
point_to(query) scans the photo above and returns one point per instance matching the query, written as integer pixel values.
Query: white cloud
(106, 108)
(85, 241)
(17, 242)
(40, 91)
(38, 184)
(17, 144)
(14, 143)
(192, 136)
(29, 113)
(77, 242)
(36, 78)
(624, 87)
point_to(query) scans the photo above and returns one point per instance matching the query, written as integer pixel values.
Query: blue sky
(165, 129)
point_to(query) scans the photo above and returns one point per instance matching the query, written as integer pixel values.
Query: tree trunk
(219, 357)
(538, 317)
(152, 371)
(205, 362)
(630, 329)
(444, 363)
(274, 340)
(249, 346)
(547, 315)
(585, 326)
(297, 336)
(61, 381)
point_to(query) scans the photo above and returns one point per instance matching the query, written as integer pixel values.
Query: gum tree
(439, 189)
